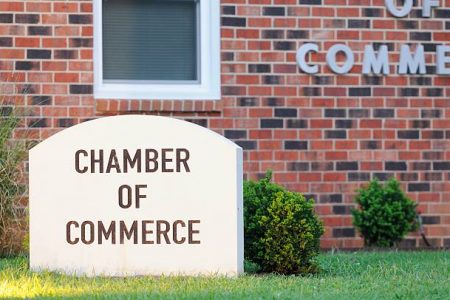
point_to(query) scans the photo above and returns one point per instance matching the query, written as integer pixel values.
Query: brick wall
(323, 135)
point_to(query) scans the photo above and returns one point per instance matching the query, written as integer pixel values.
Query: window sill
(157, 91)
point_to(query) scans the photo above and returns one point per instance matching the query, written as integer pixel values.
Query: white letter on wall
(331, 59)
(301, 58)
(442, 60)
(376, 63)
(408, 63)
(426, 7)
(399, 13)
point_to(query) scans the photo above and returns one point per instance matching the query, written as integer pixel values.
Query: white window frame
(206, 88)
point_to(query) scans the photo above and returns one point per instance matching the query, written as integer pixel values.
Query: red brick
(27, 42)
(12, 53)
(65, 7)
(87, 31)
(67, 30)
(270, 145)
(54, 65)
(86, 7)
(11, 6)
(334, 177)
(54, 42)
(54, 19)
(67, 77)
(247, 33)
(37, 6)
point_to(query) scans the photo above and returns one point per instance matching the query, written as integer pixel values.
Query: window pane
(150, 39)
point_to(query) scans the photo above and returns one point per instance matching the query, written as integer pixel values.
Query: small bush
(281, 229)
(385, 214)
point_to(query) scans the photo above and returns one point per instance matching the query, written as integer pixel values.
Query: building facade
(328, 94)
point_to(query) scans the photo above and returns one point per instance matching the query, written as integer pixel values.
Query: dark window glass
(150, 40)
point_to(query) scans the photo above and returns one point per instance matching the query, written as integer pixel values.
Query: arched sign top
(156, 126)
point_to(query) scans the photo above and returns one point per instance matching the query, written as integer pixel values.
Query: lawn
(359, 275)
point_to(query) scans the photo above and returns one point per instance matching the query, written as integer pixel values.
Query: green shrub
(281, 229)
(251, 267)
(385, 214)
(12, 155)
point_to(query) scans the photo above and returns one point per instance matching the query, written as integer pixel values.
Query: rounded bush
(385, 214)
(281, 230)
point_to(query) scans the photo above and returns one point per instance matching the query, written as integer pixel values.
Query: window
(157, 49)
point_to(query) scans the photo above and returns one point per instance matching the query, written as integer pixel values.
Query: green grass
(360, 275)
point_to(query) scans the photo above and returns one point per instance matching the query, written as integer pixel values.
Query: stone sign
(135, 195)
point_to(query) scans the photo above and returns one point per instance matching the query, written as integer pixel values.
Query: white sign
(135, 195)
